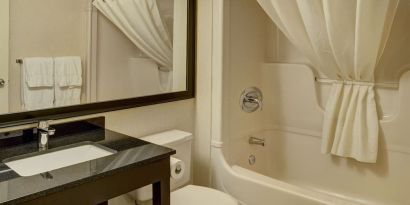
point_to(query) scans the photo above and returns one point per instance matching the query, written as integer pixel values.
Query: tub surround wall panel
(294, 105)
(394, 130)
(396, 55)
(291, 121)
(291, 99)
(246, 40)
(279, 48)
(290, 90)
(138, 71)
(119, 62)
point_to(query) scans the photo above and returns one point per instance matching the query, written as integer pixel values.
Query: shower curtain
(141, 22)
(344, 40)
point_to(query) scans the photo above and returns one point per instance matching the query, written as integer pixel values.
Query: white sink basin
(38, 164)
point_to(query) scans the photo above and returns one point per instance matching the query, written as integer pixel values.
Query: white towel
(68, 81)
(37, 87)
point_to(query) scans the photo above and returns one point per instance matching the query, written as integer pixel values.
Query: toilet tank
(181, 142)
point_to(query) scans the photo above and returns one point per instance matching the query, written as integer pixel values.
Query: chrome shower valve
(251, 99)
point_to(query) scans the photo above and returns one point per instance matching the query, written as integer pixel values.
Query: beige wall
(44, 28)
(203, 103)
(4, 54)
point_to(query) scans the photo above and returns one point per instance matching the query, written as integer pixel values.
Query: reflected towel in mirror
(68, 81)
(37, 84)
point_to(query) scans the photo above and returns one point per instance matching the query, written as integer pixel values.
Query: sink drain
(252, 159)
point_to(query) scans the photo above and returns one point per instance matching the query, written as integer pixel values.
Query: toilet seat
(198, 195)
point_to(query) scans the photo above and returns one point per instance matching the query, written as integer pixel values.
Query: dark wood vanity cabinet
(101, 190)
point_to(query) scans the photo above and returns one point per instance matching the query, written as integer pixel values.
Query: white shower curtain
(141, 22)
(344, 40)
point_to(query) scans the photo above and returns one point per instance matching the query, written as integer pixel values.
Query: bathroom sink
(51, 160)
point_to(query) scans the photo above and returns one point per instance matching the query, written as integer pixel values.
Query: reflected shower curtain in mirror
(344, 40)
(141, 22)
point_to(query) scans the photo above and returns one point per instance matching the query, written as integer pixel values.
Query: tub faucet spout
(257, 141)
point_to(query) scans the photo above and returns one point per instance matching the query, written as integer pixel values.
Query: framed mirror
(65, 58)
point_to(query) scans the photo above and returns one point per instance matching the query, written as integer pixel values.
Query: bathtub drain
(252, 159)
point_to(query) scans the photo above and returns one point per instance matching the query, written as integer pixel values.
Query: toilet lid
(197, 195)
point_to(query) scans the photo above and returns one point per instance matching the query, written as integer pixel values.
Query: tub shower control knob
(2, 82)
(251, 99)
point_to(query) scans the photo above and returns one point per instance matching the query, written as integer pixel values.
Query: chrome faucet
(44, 131)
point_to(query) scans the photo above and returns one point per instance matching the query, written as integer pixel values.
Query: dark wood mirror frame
(15, 119)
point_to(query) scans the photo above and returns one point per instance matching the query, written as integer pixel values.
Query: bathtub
(291, 170)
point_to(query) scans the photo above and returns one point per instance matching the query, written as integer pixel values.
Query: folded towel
(39, 72)
(65, 96)
(68, 71)
(68, 81)
(37, 83)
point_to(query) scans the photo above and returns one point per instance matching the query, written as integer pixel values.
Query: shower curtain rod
(380, 85)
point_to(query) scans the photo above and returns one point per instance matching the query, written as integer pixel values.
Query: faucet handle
(255, 100)
(44, 124)
(251, 100)
(51, 131)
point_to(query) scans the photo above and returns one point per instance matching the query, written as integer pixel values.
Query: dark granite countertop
(130, 152)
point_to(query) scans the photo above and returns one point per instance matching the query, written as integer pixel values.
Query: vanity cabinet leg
(161, 192)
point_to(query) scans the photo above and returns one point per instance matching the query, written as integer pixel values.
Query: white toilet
(181, 192)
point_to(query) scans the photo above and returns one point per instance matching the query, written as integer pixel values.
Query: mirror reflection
(68, 52)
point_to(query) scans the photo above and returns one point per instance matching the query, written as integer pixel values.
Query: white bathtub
(289, 170)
